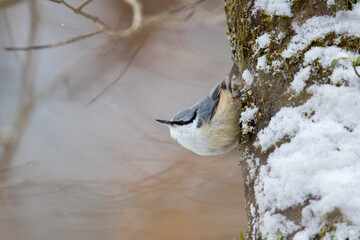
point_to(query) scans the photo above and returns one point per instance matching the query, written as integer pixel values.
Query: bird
(211, 126)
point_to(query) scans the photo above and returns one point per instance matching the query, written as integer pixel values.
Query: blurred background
(81, 155)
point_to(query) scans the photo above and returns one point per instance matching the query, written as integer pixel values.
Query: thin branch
(137, 23)
(8, 3)
(95, 19)
(122, 73)
(80, 7)
(168, 14)
(151, 20)
(185, 6)
(57, 44)
(9, 29)
(137, 15)
(27, 103)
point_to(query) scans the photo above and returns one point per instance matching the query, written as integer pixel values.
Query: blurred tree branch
(138, 22)
(122, 73)
(11, 141)
(8, 3)
(57, 44)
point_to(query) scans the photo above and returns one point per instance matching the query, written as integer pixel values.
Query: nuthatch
(211, 126)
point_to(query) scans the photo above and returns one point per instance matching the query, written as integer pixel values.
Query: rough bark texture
(269, 94)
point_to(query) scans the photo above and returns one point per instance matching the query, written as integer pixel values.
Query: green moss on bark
(271, 91)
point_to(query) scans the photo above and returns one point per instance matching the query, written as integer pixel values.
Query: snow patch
(262, 41)
(344, 232)
(277, 224)
(248, 77)
(343, 71)
(273, 7)
(300, 78)
(321, 162)
(344, 22)
(252, 165)
(248, 114)
(277, 130)
(326, 55)
(262, 65)
(246, 117)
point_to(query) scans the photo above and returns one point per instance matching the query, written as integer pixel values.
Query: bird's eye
(181, 122)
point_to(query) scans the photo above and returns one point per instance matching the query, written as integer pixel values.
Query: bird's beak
(164, 122)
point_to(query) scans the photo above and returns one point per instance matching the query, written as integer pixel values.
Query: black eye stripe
(185, 122)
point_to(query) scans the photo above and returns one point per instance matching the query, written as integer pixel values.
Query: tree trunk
(298, 65)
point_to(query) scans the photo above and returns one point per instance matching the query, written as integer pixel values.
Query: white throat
(191, 137)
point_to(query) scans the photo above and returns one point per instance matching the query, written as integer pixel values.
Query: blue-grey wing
(206, 107)
(185, 116)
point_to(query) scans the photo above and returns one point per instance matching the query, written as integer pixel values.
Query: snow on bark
(302, 153)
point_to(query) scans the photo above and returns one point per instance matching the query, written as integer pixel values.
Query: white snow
(343, 230)
(252, 164)
(343, 71)
(326, 55)
(246, 117)
(300, 78)
(278, 222)
(262, 65)
(275, 131)
(274, 7)
(345, 22)
(322, 161)
(275, 64)
(262, 41)
(248, 114)
(248, 77)
(252, 210)
(316, 158)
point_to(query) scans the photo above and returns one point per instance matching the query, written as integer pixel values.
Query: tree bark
(259, 38)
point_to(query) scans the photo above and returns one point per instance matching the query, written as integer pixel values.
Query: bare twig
(137, 23)
(168, 14)
(80, 7)
(122, 73)
(8, 3)
(57, 44)
(137, 17)
(11, 143)
(10, 31)
(95, 19)
(183, 7)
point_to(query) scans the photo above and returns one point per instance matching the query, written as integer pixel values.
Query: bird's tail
(226, 83)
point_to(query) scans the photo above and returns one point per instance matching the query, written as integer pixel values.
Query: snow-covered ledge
(301, 147)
